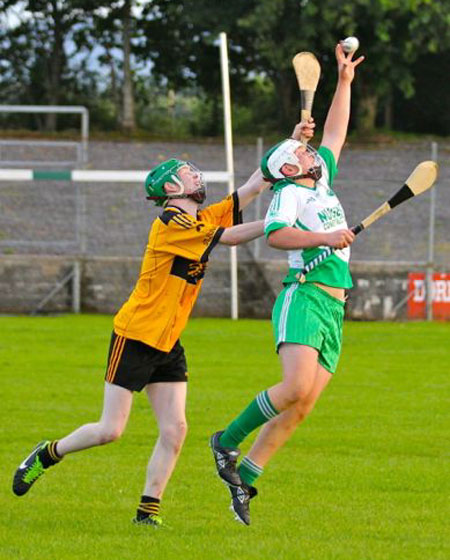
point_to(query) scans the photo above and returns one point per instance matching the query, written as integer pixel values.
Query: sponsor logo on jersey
(196, 269)
(331, 217)
(209, 237)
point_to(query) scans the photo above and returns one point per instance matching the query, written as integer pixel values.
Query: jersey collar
(285, 182)
(173, 207)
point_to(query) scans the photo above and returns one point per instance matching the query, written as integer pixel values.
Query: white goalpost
(228, 131)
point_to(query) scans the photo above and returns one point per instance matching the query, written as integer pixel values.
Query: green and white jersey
(312, 209)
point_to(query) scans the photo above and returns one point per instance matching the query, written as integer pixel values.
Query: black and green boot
(153, 520)
(30, 469)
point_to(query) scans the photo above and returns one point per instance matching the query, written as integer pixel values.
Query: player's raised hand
(340, 239)
(304, 130)
(346, 64)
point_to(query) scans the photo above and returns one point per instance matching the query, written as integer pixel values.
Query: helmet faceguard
(167, 172)
(199, 195)
(289, 153)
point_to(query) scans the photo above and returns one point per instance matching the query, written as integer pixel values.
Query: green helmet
(167, 171)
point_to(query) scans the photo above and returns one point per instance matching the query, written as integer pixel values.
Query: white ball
(350, 44)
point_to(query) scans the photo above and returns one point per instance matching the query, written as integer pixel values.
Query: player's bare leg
(168, 401)
(116, 409)
(299, 366)
(275, 433)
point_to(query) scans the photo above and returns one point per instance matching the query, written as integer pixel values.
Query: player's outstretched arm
(242, 233)
(336, 124)
(256, 184)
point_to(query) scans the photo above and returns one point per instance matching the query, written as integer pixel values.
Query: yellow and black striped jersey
(172, 272)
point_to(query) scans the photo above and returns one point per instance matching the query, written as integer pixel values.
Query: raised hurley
(307, 70)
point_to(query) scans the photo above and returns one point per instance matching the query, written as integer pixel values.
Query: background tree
(393, 35)
(42, 71)
(110, 30)
(128, 121)
(158, 61)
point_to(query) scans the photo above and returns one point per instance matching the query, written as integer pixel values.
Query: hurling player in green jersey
(304, 217)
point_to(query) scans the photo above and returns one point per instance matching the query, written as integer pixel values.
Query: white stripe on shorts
(284, 313)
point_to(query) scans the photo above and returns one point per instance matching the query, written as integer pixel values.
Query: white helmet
(284, 153)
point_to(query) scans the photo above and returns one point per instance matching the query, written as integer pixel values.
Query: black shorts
(133, 364)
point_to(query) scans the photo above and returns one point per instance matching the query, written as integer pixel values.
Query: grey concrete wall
(107, 281)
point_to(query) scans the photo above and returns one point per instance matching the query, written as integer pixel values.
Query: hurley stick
(420, 180)
(307, 70)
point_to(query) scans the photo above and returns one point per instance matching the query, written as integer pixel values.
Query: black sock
(49, 455)
(148, 506)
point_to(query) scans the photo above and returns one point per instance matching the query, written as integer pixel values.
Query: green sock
(249, 471)
(258, 412)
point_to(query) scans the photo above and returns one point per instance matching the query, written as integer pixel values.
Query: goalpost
(230, 162)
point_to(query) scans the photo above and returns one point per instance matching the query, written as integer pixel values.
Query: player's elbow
(274, 239)
(229, 237)
(263, 185)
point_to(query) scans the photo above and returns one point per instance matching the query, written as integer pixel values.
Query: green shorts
(305, 314)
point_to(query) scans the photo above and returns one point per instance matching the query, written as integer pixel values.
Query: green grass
(366, 477)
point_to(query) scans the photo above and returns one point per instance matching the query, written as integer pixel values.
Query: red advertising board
(418, 296)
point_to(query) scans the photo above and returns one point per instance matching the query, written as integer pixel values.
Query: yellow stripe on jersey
(186, 218)
(183, 222)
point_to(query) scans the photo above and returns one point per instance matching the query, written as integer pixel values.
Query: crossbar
(93, 176)
(64, 109)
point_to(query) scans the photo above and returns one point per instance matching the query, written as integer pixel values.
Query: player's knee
(174, 434)
(108, 434)
(301, 411)
(296, 394)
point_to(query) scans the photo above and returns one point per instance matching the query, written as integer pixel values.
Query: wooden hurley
(307, 70)
(420, 180)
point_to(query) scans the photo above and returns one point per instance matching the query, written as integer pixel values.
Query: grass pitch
(365, 477)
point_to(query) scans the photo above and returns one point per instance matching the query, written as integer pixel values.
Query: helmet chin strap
(314, 173)
(198, 196)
